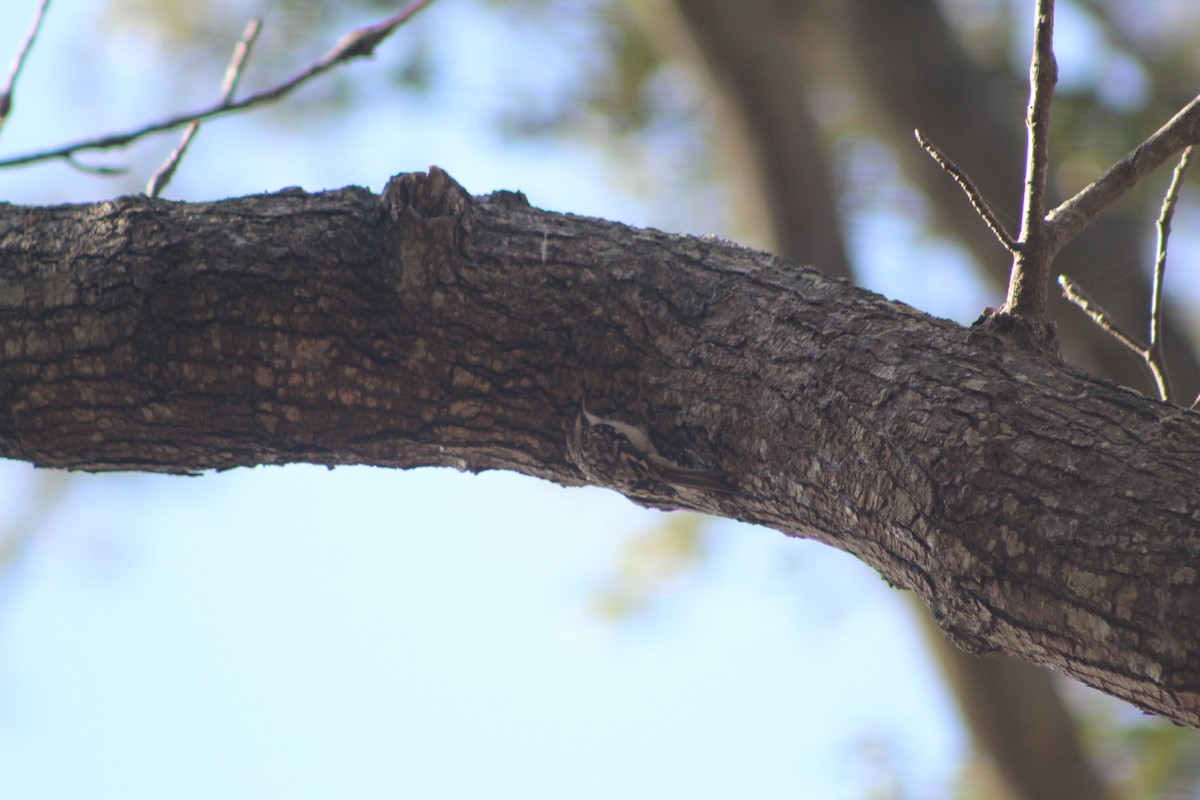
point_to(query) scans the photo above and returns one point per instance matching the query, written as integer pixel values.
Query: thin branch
(973, 194)
(14, 71)
(237, 62)
(1182, 130)
(1043, 75)
(360, 42)
(1075, 293)
(94, 169)
(233, 74)
(1031, 265)
(1152, 353)
(1170, 201)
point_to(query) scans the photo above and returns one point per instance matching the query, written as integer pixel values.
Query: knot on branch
(426, 218)
(1040, 338)
(430, 195)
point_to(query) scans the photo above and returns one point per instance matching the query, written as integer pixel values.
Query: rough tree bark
(1036, 510)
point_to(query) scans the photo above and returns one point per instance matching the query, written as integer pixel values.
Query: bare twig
(1031, 264)
(1075, 293)
(1170, 200)
(233, 74)
(1182, 130)
(977, 202)
(14, 71)
(94, 169)
(1151, 353)
(360, 42)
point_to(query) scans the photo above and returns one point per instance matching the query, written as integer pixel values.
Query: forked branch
(1072, 216)
(1044, 233)
(233, 74)
(359, 42)
(1152, 354)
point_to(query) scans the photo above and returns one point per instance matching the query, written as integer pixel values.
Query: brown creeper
(621, 456)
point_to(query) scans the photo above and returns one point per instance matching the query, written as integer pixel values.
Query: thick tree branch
(1036, 510)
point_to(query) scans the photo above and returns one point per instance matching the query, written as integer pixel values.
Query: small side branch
(1076, 294)
(1170, 201)
(233, 74)
(973, 194)
(14, 72)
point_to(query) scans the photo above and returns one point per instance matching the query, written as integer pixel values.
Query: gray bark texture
(1036, 510)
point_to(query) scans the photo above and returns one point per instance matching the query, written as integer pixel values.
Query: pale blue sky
(305, 633)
